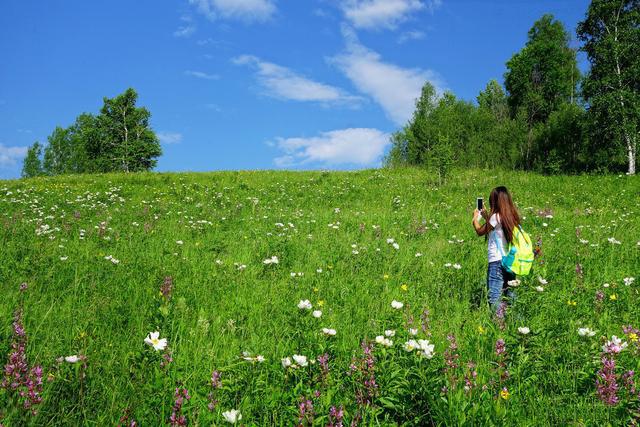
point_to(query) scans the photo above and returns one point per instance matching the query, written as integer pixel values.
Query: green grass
(87, 305)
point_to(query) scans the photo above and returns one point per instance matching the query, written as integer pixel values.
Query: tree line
(548, 117)
(118, 139)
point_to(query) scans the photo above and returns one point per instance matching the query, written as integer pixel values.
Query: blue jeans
(497, 278)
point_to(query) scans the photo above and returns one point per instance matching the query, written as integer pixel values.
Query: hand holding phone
(479, 207)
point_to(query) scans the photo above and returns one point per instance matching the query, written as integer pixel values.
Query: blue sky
(253, 84)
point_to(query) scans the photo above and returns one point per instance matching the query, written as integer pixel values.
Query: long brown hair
(501, 203)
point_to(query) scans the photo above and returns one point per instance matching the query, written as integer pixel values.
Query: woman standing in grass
(498, 232)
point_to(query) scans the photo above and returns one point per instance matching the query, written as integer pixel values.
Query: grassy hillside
(109, 259)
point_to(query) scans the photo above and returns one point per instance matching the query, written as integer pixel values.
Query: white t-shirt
(492, 250)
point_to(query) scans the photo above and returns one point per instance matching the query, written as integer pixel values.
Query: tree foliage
(542, 121)
(32, 165)
(611, 39)
(120, 138)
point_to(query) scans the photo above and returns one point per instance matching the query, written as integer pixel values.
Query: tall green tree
(542, 76)
(58, 152)
(494, 100)
(32, 165)
(611, 37)
(118, 139)
(127, 142)
(498, 139)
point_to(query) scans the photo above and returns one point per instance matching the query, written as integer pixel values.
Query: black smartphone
(480, 203)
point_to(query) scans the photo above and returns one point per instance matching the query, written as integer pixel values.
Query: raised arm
(483, 229)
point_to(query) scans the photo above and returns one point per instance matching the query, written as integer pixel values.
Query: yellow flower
(404, 288)
(321, 303)
(330, 266)
(633, 337)
(385, 277)
(571, 303)
(504, 393)
(613, 297)
(315, 289)
(481, 330)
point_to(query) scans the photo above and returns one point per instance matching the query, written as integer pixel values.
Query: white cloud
(201, 75)
(410, 35)
(394, 88)
(356, 146)
(245, 10)
(187, 29)
(9, 156)
(377, 14)
(184, 31)
(169, 137)
(281, 82)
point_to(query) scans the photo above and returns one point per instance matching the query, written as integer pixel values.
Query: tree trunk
(631, 145)
(631, 152)
(125, 155)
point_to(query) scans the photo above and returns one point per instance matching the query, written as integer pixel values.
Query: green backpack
(519, 257)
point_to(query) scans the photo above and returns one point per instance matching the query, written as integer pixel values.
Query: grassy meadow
(108, 259)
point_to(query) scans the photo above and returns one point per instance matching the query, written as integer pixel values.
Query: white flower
(153, 340)
(523, 330)
(304, 305)
(286, 362)
(544, 224)
(514, 283)
(72, 359)
(457, 266)
(418, 254)
(614, 346)
(179, 242)
(427, 348)
(390, 241)
(413, 331)
(319, 270)
(272, 260)
(542, 281)
(539, 288)
(605, 285)
(300, 360)
(397, 304)
(613, 241)
(410, 345)
(327, 331)
(396, 246)
(584, 242)
(380, 339)
(232, 416)
(629, 280)
(586, 332)
(317, 314)
(390, 333)
(448, 265)
(64, 258)
(260, 358)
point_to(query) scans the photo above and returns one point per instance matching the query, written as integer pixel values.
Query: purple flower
(305, 412)
(335, 417)
(177, 419)
(167, 287)
(216, 383)
(607, 382)
(22, 382)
